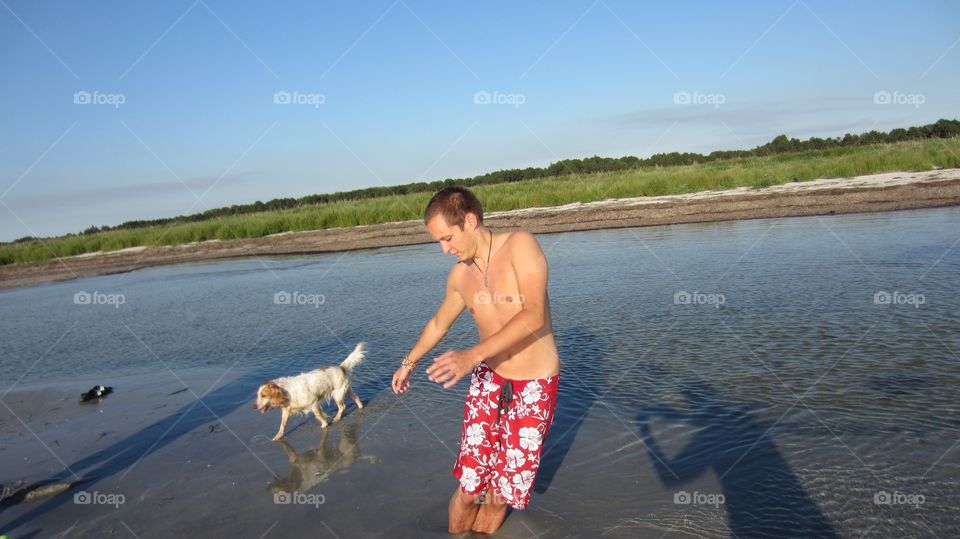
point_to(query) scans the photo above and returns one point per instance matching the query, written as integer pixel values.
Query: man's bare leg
(491, 515)
(463, 512)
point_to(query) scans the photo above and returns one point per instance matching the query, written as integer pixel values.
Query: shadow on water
(763, 498)
(573, 401)
(121, 455)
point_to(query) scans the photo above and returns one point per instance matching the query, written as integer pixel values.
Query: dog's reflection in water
(316, 465)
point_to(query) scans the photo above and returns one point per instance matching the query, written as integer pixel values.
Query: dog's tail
(355, 357)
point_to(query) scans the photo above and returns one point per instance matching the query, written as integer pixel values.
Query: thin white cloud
(119, 193)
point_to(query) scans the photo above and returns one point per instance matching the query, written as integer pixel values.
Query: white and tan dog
(304, 393)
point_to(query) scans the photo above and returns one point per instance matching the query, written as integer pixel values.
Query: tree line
(590, 165)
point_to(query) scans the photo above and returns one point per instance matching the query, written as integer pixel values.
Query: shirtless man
(502, 279)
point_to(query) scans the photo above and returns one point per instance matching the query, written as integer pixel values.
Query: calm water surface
(785, 377)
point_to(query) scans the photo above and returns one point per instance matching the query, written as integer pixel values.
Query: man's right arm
(451, 308)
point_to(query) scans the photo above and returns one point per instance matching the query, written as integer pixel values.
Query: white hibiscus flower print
(472, 414)
(515, 458)
(531, 393)
(505, 491)
(469, 479)
(523, 480)
(474, 434)
(530, 438)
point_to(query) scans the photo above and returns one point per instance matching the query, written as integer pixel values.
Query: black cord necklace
(483, 273)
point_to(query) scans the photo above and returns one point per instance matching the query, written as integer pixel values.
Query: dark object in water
(96, 393)
(34, 492)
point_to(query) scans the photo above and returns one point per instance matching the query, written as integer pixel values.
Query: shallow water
(746, 367)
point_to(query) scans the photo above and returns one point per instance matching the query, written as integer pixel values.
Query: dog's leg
(320, 416)
(340, 408)
(283, 425)
(355, 398)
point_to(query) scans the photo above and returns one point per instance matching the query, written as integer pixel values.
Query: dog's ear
(277, 395)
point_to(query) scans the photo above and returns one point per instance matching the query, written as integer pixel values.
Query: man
(502, 279)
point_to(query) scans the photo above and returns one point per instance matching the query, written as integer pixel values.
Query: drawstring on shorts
(506, 396)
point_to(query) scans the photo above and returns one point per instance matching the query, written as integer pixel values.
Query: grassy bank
(718, 175)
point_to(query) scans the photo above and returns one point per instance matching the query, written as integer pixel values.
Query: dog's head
(270, 395)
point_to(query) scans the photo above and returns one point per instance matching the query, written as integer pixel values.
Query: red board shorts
(501, 449)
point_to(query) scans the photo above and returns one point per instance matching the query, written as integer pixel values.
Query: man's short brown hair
(454, 203)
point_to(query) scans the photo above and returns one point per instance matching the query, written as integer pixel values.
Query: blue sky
(181, 96)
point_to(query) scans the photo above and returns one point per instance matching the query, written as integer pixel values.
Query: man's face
(452, 239)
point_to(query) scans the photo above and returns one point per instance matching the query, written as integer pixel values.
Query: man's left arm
(530, 267)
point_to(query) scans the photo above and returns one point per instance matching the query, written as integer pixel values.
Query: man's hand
(401, 380)
(450, 367)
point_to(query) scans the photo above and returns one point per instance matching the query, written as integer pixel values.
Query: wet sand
(189, 467)
(153, 460)
(878, 192)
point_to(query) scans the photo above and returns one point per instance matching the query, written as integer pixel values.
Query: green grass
(745, 172)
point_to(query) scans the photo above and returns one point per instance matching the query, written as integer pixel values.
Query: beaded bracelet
(407, 363)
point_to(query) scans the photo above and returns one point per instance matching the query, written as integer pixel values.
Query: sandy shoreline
(872, 193)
